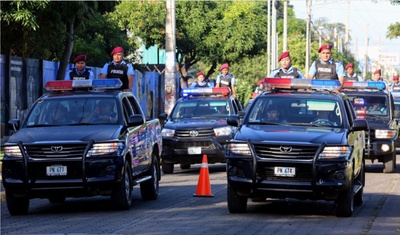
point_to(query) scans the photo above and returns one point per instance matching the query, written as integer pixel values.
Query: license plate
(194, 150)
(56, 170)
(285, 171)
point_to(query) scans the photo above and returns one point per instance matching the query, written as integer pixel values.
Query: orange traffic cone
(203, 185)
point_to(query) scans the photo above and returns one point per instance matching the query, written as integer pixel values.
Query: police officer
(118, 68)
(350, 75)
(226, 79)
(286, 70)
(80, 72)
(377, 76)
(201, 81)
(326, 67)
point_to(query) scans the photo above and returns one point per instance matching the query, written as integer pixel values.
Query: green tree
(210, 31)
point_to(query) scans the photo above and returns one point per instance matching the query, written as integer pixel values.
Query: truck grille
(201, 133)
(285, 151)
(56, 150)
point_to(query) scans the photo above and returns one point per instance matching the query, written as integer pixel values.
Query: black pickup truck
(373, 102)
(83, 138)
(297, 140)
(196, 126)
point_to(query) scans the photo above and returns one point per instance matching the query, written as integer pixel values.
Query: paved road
(176, 211)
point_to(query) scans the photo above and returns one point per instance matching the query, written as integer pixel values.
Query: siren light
(69, 85)
(364, 85)
(216, 91)
(295, 83)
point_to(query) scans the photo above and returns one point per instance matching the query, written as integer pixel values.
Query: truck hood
(284, 134)
(196, 123)
(33, 135)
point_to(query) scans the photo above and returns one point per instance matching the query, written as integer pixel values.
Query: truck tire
(167, 168)
(121, 196)
(149, 188)
(185, 166)
(389, 163)
(344, 204)
(358, 197)
(16, 205)
(236, 203)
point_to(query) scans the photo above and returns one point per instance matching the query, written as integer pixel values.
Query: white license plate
(194, 150)
(285, 171)
(56, 170)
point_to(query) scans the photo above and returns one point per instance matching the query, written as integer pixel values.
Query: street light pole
(308, 36)
(170, 61)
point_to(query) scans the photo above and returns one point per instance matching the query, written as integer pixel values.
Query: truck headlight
(335, 152)
(167, 132)
(221, 131)
(385, 134)
(105, 149)
(239, 149)
(12, 151)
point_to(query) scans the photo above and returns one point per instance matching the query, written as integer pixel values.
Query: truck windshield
(296, 111)
(74, 111)
(201, 108)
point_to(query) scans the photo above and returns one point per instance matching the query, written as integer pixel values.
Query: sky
(365, 18)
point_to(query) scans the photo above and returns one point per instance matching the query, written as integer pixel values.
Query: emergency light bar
(69, 85)
(222, 91)
(364, 85)
(295, 83)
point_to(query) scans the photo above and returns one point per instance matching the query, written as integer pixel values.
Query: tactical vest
(73, 75)
(205, 85)
(293, 74)
(347, 78)
(326, 71)
(119, 71)
(225, 81)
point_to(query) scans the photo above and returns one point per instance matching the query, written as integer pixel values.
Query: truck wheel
(167, 168)
(121, 196)
(16, 205)
(185, 166)
(344, 204)
(149, 188)
(236, 203)
(358, 197)
(389, 163)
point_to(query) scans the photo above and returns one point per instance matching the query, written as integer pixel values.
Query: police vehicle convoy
(197, 126)
(299, 140)
(83, 138)
(374, 103)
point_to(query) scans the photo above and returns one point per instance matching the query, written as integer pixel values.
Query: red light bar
(59, 85)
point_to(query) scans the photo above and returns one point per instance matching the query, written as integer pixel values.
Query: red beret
(200, 73)
(349, 65)
(378, 71)
(117, 50)
(80, 58)
(325, 46)
(396, 77)
(283, 55)
(224, 66)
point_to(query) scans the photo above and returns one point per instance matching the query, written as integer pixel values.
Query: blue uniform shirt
(289, 71)
(229, 75)
(91, 74)
(130, 68)
(339, 68)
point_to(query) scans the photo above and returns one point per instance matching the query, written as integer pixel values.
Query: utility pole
(308, 36)
(269, 39)
(274, 38)
(346, 41)
(170, 62)
(366, 52)
(285, 5)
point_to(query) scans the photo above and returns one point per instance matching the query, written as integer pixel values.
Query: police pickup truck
(82, 138)
(196, 126)
(298, 140)
(374, 103)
